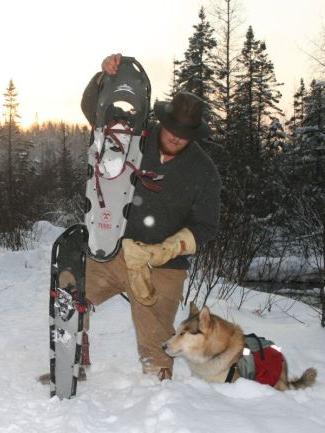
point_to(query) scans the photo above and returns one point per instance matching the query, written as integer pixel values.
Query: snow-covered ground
(117, 398)
(287, 268)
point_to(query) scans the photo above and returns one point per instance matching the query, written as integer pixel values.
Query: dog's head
(198, 338)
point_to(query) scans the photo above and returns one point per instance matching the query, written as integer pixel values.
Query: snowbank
(289, 268)
(117, 398)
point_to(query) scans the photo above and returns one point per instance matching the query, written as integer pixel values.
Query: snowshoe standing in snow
(67, 307)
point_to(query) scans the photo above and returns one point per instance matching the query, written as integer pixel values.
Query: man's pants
(153, 324)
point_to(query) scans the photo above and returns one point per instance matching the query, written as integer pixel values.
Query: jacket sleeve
(90, 98)
(203, 220)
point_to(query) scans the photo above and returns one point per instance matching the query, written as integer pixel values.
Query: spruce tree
(17, 196)
(297, 119)
(226, 13)
(196, 72)
(310, 146)
(257, 94)
(254, 107)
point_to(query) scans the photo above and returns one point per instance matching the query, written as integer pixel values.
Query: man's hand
(180, 244)
(136, 260)
(111, 63)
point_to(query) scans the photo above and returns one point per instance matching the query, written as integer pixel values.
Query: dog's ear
(205, 318)
(193, 309)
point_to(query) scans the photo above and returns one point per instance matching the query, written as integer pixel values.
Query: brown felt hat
(183, 116)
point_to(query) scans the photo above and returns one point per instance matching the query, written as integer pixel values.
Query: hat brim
(162, 112)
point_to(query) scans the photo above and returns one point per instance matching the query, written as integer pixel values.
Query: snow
(288, 268)
(117, 397)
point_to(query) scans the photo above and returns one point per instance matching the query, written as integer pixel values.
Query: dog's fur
(211, 345)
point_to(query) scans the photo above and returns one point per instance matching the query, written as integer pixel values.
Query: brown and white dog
(212, 346)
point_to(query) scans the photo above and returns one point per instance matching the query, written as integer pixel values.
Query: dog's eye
(196, 332)
(182, 333)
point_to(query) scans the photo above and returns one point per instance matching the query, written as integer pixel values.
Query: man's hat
(183, 116)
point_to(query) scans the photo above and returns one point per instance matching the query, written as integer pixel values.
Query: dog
(215, 350)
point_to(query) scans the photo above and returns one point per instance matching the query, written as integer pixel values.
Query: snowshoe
(115, 156)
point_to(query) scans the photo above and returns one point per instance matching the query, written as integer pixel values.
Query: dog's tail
(307, 379)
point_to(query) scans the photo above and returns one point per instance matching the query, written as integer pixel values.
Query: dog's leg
(282, 383)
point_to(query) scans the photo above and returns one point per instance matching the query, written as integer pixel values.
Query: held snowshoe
(115, 156)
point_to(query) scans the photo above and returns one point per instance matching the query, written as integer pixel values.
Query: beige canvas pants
(153, 324)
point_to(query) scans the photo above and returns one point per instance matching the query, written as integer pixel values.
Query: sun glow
(57, 46)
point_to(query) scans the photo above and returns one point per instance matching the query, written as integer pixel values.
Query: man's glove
(180, 244)
(139, 257)
(136, 259)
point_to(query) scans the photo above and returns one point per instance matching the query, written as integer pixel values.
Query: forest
(272, 167)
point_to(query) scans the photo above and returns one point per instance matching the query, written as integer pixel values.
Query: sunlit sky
(52, 48)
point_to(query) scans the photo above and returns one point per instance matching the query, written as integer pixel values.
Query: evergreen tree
(257, 95)
(310, 146)
(276, 138)
(11, 131)
(296, 121)
(17, 193)
(66, 178)
(173, 87)
(249, 182)
(226, 13)
(196, 72)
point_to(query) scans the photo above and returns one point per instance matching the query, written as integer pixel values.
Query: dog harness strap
(261, 350)
(231, 373)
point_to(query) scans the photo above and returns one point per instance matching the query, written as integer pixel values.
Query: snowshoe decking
(115, 156)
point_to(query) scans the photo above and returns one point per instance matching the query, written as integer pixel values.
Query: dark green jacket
(190, 194)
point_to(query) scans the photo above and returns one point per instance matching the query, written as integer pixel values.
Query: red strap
(150, 175)
(110, 132)
(97, 183)
(81, 308)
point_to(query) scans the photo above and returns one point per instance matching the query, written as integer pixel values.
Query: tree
(257, 94)
(296, 121)
(309, 150)
(196, 72)
(17, 205)
(11, 130)
(275, 139)
(226, 13)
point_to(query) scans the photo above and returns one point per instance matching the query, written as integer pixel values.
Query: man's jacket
(189, 196)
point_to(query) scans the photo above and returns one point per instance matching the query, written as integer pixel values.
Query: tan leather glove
(180, 244)
(136, 259)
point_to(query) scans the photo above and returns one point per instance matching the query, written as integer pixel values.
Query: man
(163, 227)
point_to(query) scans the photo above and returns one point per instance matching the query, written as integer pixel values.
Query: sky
(52, 48)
